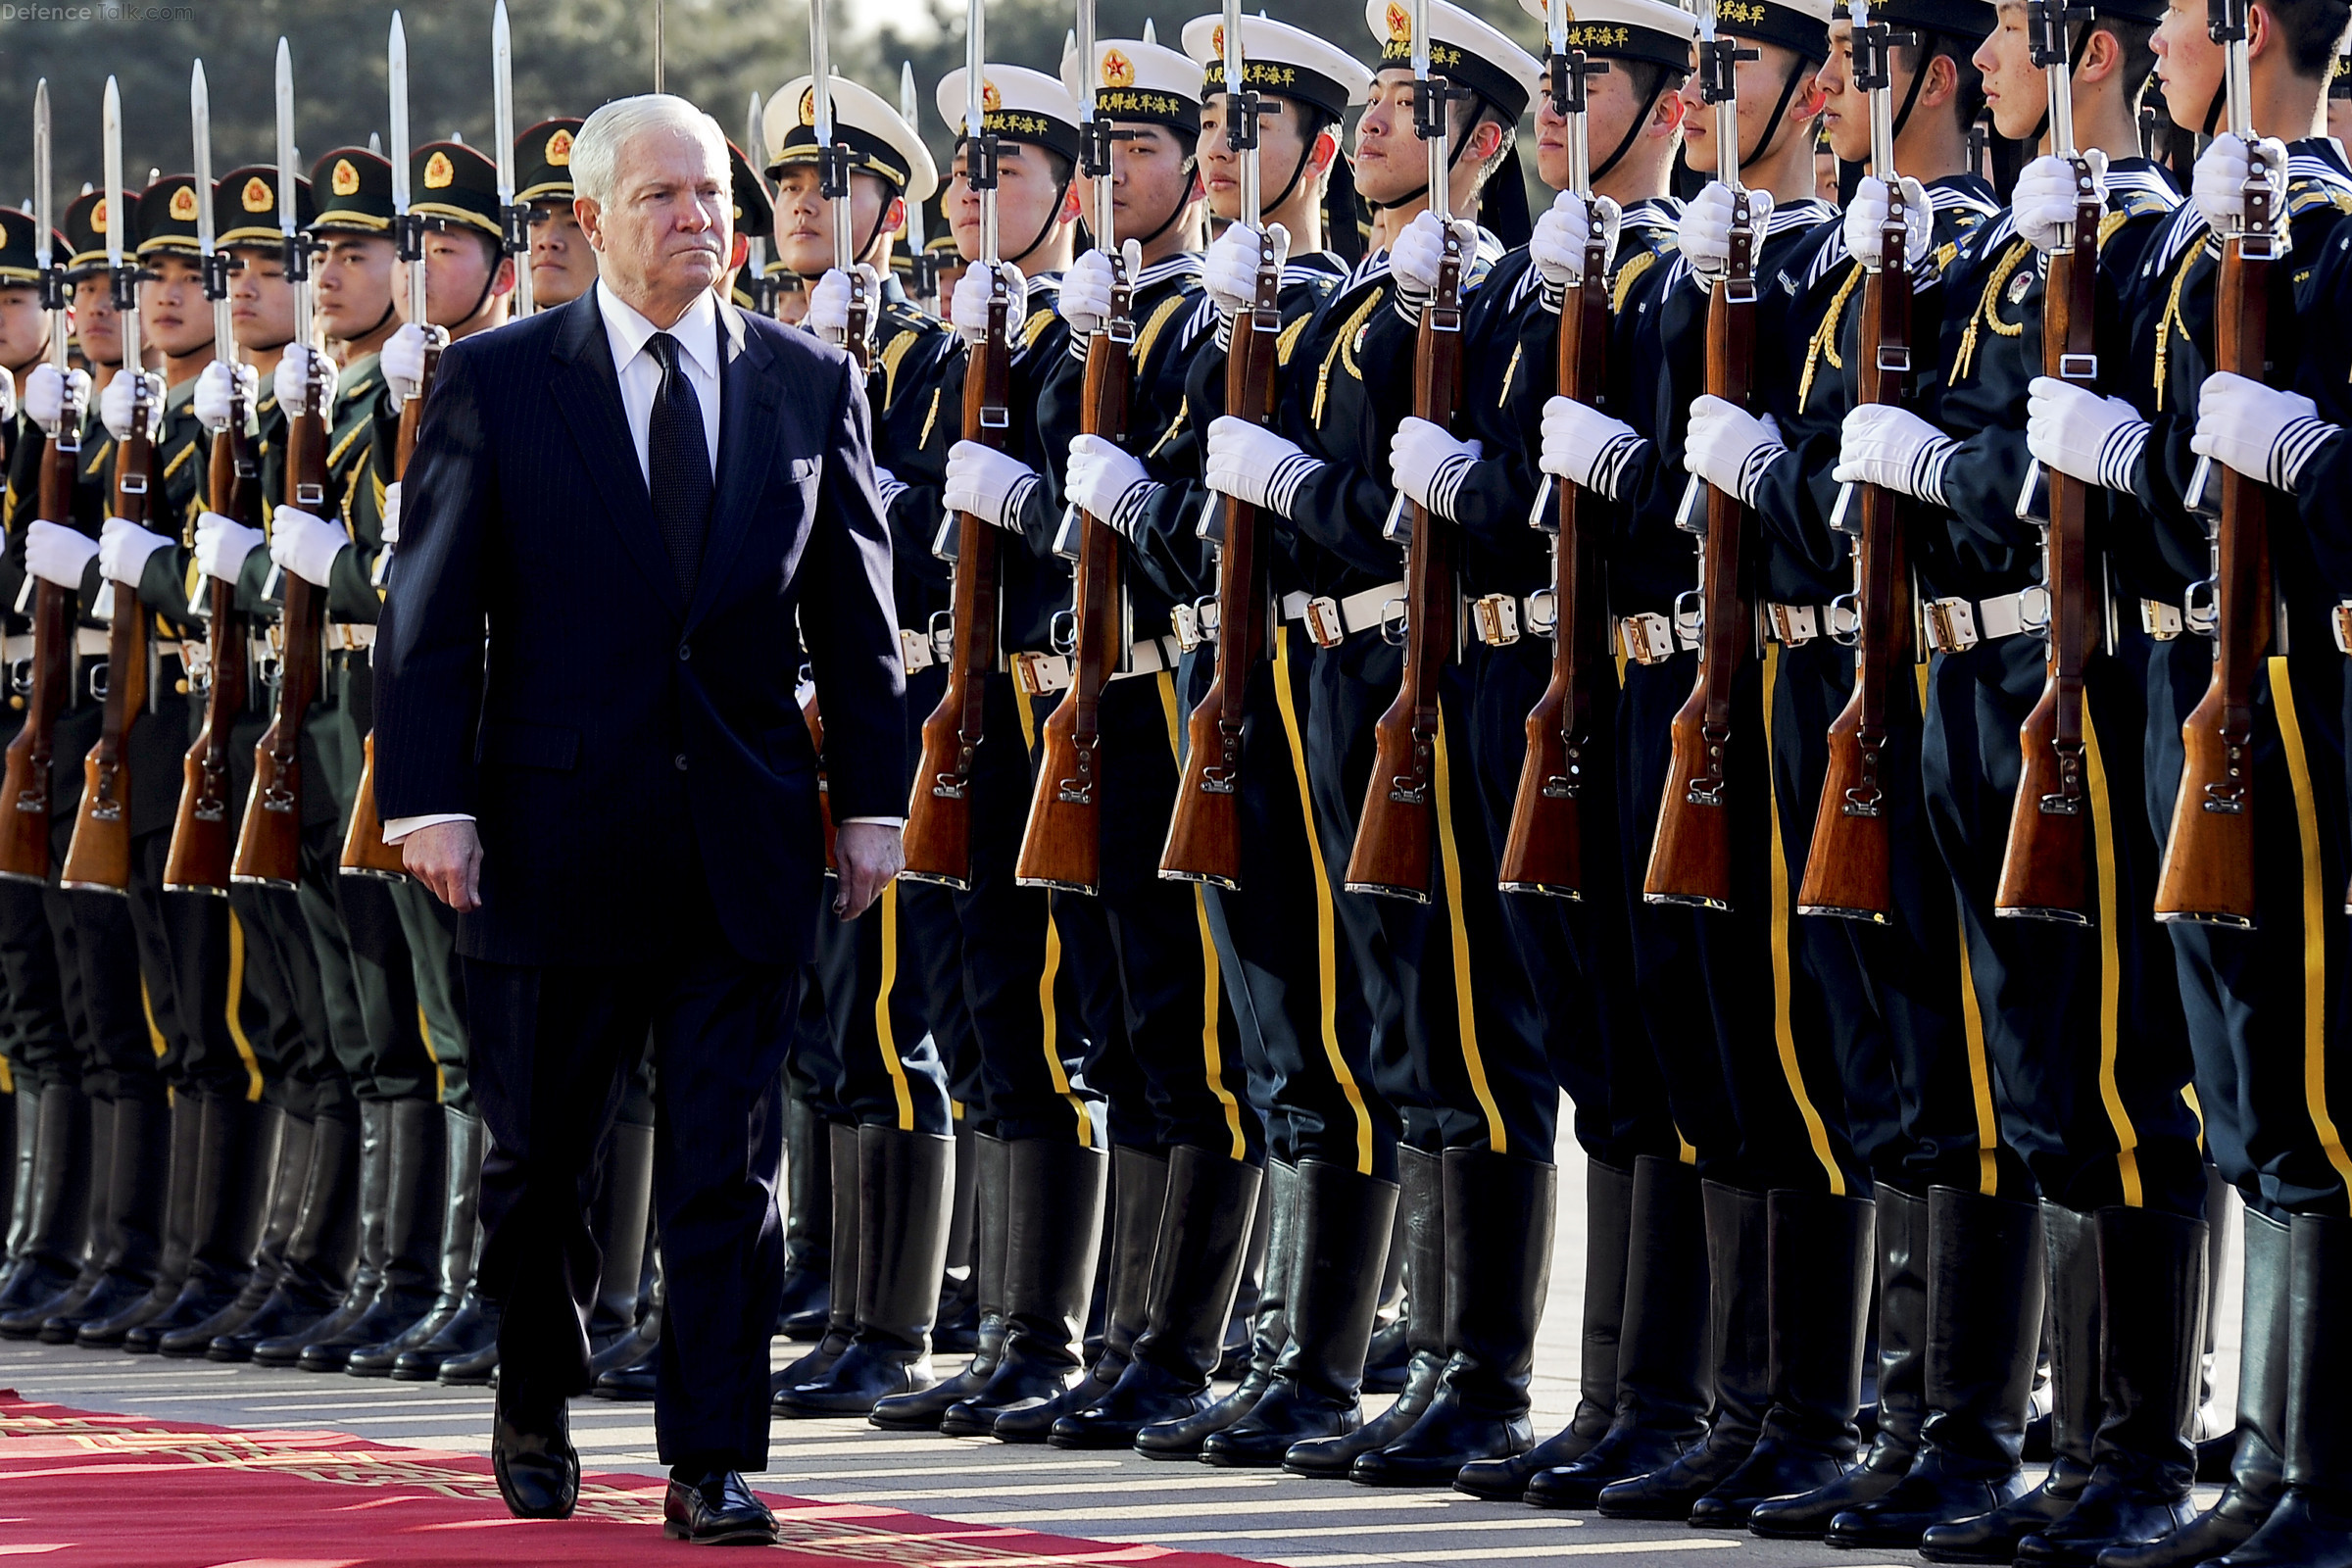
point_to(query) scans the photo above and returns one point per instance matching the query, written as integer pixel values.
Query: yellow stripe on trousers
(1327, 964)
(885, 1034)
(236, 997)
(1784, 1030)
(2111, 978)
(1048, 1013)
(2315, 928)
(1466, 1007)
(1212, 1044)
(1972, 1034)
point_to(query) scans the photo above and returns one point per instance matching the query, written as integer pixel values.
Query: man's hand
(868, 854)
(447, 858)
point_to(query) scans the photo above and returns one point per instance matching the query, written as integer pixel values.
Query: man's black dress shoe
(717, 1509)
(530, 1449)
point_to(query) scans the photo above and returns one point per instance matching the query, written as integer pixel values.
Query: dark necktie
(678, 466)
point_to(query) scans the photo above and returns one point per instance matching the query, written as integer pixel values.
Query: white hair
(596, 151)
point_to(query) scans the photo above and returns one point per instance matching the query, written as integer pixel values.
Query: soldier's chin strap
(1919, 78)
(481, 300)
(1802, 73)
(389, 307)
(1453, 158)
(1632, 133)
(2213, 109)
(1175, 213)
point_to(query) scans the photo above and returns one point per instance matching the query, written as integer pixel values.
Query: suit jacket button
(681, 762)
(685, 652)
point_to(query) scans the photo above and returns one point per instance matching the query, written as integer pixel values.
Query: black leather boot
(1341, 1225)
(285, 1174)
(841, 1292)
(1203, 1232)
(474, 1369)
(367, 1278)
(1421, 1201)
(2258, 1469)
(2312, 1525)
(138, 1197)
(1498, 1224)
(1052, 1229)
(991, 1159)
(1038, 1367)
(454, 1325)
(318, 1267)
(902, 1182)
(956, 1325)
(1391, 1351)
(2071, 1261)
(1241, 1332)
(24, 1126)
(620, 1219)
(2152, 1304)
(627, 1371)
(183, 1119)
(1269, 1327)
(809, 1209)
(90, 1235)
(48, 1259)
(416, 1203)
(1662, 1354)
(1608, 1216)
(1902, 1230)
(236, 1148)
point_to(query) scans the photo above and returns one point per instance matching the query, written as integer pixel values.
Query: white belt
(1329, 620)
(1955, 625)
(1650, 638)
(349, 636)
(1042, 674)
(1194, 623)
(915, 651)
(16, 649)
(1795, 625)
(92, 642)
(1500, 619)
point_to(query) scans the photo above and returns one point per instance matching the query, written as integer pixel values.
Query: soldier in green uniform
(561, 263)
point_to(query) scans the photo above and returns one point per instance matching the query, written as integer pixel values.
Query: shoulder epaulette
(1035, 328)
(343, 446)
(1158, 321)
(180, 460)
(1627, 275)
(894, 354)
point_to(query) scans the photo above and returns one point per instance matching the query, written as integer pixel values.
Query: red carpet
(81, 1489)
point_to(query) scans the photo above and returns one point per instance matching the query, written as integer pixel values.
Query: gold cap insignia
(809, 106)
(559, 148)
(1401, 24)
(1216, 42)
(257, 196)
(991, 100)
(98, 215)
(183, 204)
(1117, 70)
(345, 180)
(439, 172)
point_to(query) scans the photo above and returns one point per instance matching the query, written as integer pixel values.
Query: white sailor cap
(1137, 80)
(1465, 51)
(1280, 59)
(1802, 25)
(1626, 29)
(1017, 104)
(881, 143)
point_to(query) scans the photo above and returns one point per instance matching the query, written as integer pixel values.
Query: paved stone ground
(1109, 1497)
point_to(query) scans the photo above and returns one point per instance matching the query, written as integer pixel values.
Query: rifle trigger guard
(1394, 619)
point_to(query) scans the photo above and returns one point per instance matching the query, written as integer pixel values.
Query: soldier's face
(2014, 90)
(561, 263)
(805, 218)
(95, 324)
(1281, 146)
(1611, 104)
(350, 284)
(1390, 159)
(1845, 106)
(456, 271)
(24, 328)
(175, 317)
(2188, 63)
(1150, 179)
(1028, 200)
(668, 231)
(1758, 83)
(261, 301)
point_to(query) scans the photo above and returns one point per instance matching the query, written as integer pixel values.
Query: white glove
(305, 545)
(1565, 227)
(1428, 464)
(2260, 431)
(55, 553)
(829, 302)
(1085, 301)
(46, 394)
(403, 363)
(391, 520)
(2044, 199)
(8, 398)
(222, 546)
(988, 485)
(1731, 448)
(2094, 439)
(968, 309)
(1250, 463)
(1109, 483)
(1866, 221)
(1418, 254)
(2219, 186)
(1705, 235)
(114, 404)
(292, 382)
(123, 548)
(1230, 270)
(1585, 446)
(1893, 449)
(216, 389)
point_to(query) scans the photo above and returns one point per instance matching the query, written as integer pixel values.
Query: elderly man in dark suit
(629, 522)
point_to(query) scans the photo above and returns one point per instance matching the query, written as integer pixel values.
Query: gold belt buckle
(1324, 622)
(1646, 638)
(1498, 617)
(1184, 622)
(2342, 619)
(1951, 625)
(1042, 674)
(2161, 620)
(1793, 625)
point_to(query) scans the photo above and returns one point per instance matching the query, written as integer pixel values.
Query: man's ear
(1073, 205)
(1943, 79)
(894, 221)
(1324, 153)
(591, 221)
(1666, 114)
(504, 283)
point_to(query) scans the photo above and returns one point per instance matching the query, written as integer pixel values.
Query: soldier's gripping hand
(1562, 234)
(988, 485)
(1895, 450)
(403, 361)
(116, 402)
(1250, 463)
(1085, 301)
(292, 381)
(8, 398)
(2094, 439)
(2262, 432)
(1866, 221)
(2045, 196)
(1731, 448)
(123, 548)
(2219, 186)
(222, 546)
(1230, 270)
(1585, 447)
(389, 528)
(1418, 254)
(216, 389)
(305, 545)
(967, 310)
(1704, 234)
(55, 553)
(829, 301)
(48, 394)
(1108, 485)
(1428, 464)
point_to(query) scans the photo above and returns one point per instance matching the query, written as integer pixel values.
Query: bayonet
(924, 266)
(833, 184)
(514, 217)
(754, 138)
(215, 262)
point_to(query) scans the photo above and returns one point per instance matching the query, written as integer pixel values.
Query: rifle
(923, 279)
(2042, 874)
(1205, 834)
(98, 857)
(1062, 846)
(25, 829)
(938, 816)
(1848, 871)
(1544, 851)
(2208, 871)
(1691, 858)
(1394, 835)
(514, 215)
(200, 852)
(365, 852)
(269, 842)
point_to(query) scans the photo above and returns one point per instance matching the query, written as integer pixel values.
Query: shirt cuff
(877, 821)
(399, 827)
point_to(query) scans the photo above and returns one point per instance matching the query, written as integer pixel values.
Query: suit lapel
(747, 445)
(587, 389)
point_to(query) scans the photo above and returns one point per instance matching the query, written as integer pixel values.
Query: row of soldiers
(1966, 1139)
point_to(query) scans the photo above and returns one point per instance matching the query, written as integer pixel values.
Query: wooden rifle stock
(270, 842)
(938, 816)
(2044, 870)
(24, 825)
(98, 858)
(201, 845)
(1545, 850)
